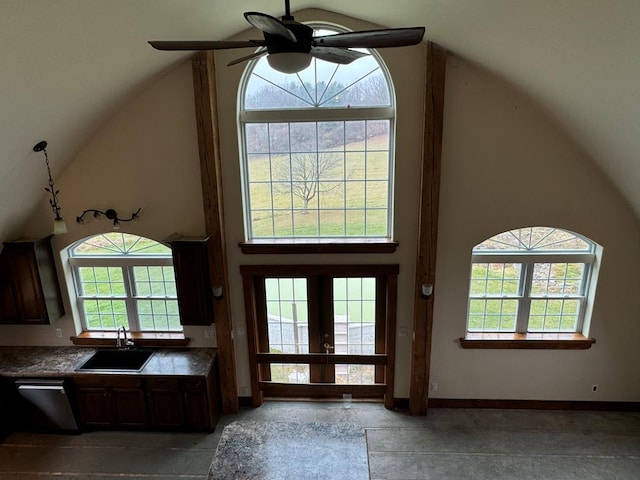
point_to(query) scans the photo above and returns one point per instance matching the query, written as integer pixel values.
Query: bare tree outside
(306, 175)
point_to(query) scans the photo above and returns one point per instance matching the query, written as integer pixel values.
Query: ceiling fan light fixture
(289, 62)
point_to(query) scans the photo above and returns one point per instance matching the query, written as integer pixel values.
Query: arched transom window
(535, 279)
(317, 150)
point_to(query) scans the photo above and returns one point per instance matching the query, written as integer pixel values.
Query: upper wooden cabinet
(193, 282)
(29, 288)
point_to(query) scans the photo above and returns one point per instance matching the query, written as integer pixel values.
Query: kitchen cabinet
(111, 401)
(193, 282)
(165, 402)
(29, 288)
(182, 403)
(171, 402)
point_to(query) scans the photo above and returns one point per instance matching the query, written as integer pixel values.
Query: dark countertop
(27, 361)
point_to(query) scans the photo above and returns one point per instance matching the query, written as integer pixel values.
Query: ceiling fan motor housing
(278, 44)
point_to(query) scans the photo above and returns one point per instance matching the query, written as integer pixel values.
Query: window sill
(147, 339)
(310, 246)
(531, 341)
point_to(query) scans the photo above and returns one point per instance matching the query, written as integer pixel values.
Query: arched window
(124, 280)
(534, 279)
(317, 149)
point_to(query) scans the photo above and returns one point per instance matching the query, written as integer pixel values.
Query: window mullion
(526, 278)
(130, 301)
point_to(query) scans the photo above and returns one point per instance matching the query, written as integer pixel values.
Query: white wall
(504, 165)
(145, 156)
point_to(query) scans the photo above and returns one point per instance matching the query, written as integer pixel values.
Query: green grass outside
(545, 314)
(357, 207)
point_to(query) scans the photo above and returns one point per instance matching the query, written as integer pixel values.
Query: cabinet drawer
(108, 381)
(194, 384)
(160, 382)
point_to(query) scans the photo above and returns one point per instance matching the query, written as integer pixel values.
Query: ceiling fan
(290, 45)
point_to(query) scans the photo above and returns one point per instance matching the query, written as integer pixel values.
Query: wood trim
(250, 309)
(533, 404)
(206, 107)
(146, 339)
(284, 247)
(320, 270)
(326, 390)
(427, 228)
(390, 322)
(321, 358)
(528, 341)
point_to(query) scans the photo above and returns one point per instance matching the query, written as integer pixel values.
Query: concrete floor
(447, 444)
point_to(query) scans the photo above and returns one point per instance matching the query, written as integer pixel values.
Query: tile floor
(447, 444)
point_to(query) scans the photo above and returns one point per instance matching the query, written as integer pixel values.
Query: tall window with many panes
(317, 150)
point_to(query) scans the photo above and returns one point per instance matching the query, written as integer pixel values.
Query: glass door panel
(288, 326)
(354, 326)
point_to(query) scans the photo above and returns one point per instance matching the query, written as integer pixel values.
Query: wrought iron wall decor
(111, 214)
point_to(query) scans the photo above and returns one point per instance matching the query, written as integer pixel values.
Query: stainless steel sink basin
(117, 360)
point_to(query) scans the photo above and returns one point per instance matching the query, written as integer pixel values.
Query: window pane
(154, 281)
(495, 279)
(355, 374)
(289, 373)
(105, 314)
(287, 315)
(115, 243)
(551, 279)
(303, 186)
(354, 326)
(535, 238)
(101, 282)
(158, 315)
(554, 315)
(492, 315)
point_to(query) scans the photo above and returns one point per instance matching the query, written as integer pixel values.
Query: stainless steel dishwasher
(50, 404)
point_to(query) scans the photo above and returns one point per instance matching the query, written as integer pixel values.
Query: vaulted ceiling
(67, 65)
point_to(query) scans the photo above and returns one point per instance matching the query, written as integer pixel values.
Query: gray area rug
(296, 451)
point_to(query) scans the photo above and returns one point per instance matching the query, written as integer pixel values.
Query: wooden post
(206, 103)
(427, 228)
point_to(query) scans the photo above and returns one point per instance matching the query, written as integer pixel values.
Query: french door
(321, 330)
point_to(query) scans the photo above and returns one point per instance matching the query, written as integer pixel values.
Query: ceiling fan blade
(203, 44)
(390, 37)
(336, 55)
(270, 25)
(247, 57)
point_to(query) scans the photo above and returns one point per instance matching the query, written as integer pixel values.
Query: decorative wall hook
(111, 214)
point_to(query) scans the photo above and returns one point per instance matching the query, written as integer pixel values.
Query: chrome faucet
(123, 342)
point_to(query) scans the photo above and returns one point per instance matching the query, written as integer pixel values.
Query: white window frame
(323, 114)
(527, 256)
(528, 262)
(130, 298)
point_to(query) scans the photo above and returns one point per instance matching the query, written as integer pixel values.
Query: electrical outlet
(594, 388)
(208, 333)
(403, 332)
(245, 391)
(59, 332)
(434, 386)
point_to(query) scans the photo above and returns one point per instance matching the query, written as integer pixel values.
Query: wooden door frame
(259, 357)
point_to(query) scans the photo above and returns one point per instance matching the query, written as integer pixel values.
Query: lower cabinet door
(95, 407)
(130, 408)
(166, 408)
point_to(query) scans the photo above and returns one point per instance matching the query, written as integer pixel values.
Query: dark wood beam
(427, 228)
(206, 103)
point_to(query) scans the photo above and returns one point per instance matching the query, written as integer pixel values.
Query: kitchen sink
(132, 360)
